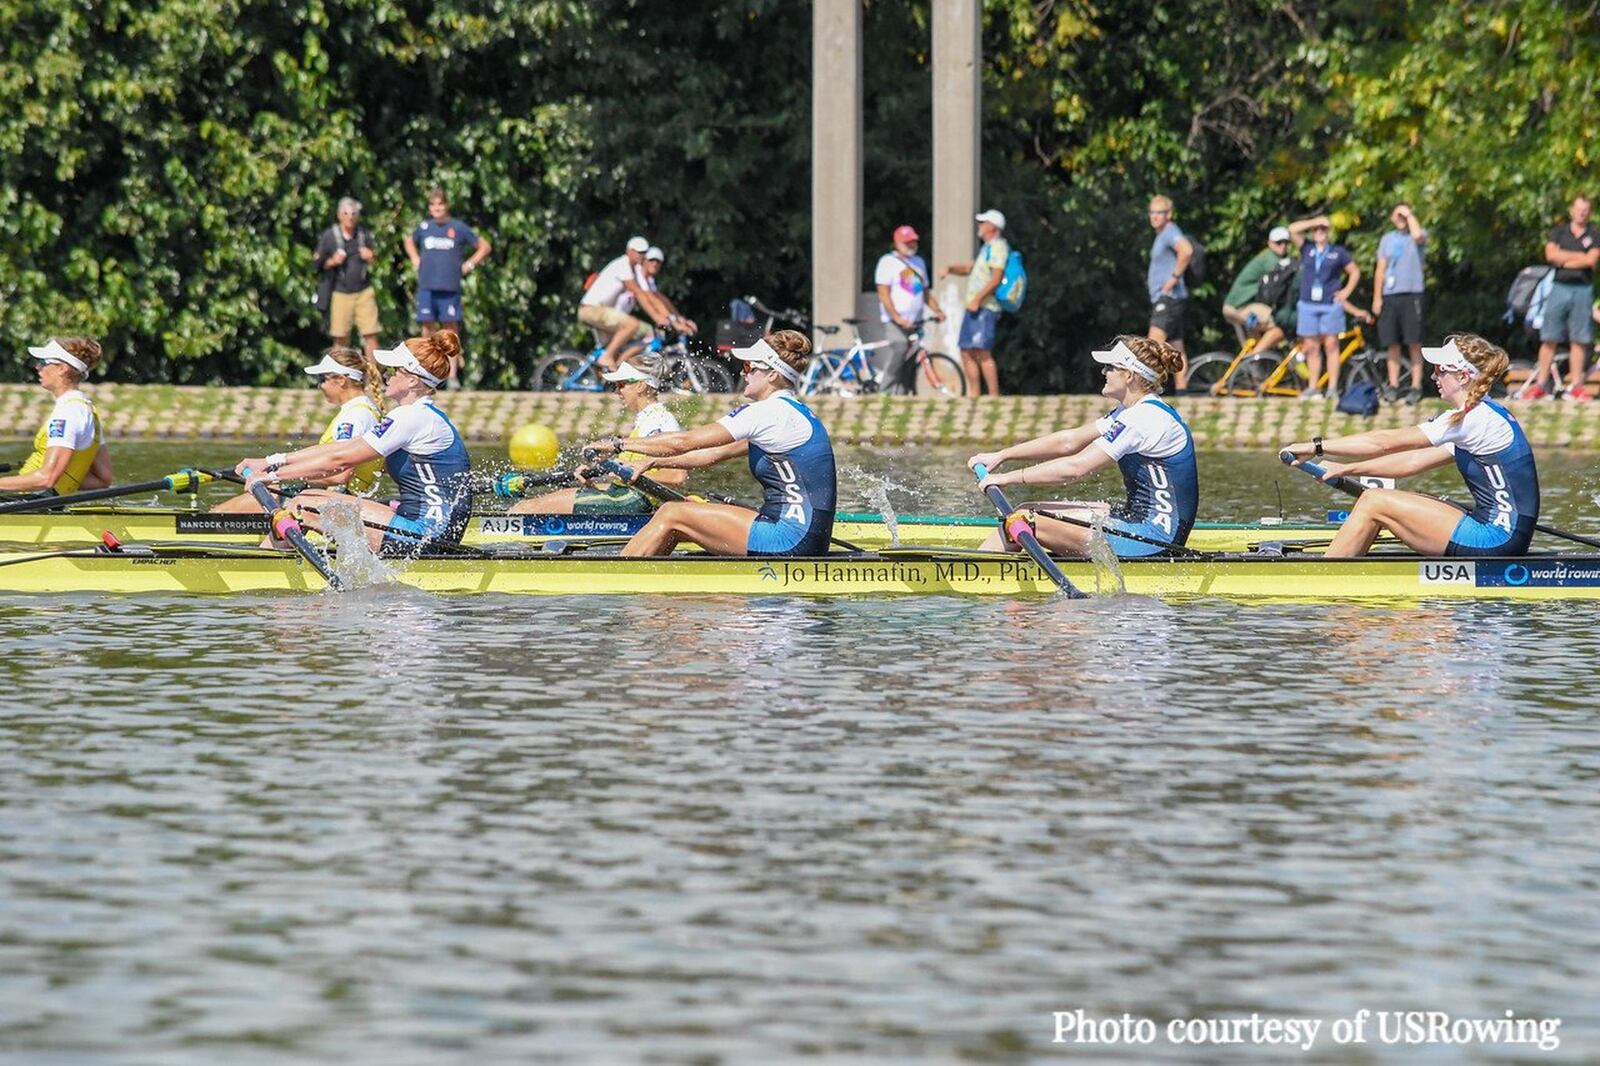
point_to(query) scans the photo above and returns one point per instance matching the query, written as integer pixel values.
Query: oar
(6, 468)
(1355, 488)
(652, 487)
(183, 481)
(1017, 528)
(1180, 550)
(515, 484)
(286, 528)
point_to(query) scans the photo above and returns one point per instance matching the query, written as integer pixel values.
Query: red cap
(906, 234)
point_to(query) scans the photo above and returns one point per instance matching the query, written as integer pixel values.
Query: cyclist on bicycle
(904, 296)
(660, 306)
(1251, 310)
(609, 298)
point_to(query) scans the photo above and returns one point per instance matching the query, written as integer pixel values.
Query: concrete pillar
(957, 141)
(836, 184)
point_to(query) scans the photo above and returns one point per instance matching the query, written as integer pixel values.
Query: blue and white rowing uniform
(792, 457)
(1154, 450)
(426, 457)
(1495, 460)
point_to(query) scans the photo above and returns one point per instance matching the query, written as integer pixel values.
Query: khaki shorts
(606, 321)
(358, 307)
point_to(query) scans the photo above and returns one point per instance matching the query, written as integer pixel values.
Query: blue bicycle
(572, 371)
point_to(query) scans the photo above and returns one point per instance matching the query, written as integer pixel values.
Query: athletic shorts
(977, 329)
(775, 536)
(606, 321)
(438, 305)
(1400, 321)
(1567, 314)
(1320, 320)
(353, 308)
(1133, 549)
(1473, 536)
(1166, 314)
(618, 499)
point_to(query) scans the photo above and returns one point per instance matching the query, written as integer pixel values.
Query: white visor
(761, 354)
(1122, 357)
(401, 358)
(328, 366)
(1450, 358)
(629, 372)
(54, 353)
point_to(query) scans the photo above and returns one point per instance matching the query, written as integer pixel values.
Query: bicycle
(1252, 373)
(930, 373)
(572, 371)
(842, 371)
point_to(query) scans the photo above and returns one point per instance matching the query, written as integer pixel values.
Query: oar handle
(287, 528)
(1347, 485)
(1018, 530)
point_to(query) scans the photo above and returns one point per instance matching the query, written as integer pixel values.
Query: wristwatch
(1316, 442)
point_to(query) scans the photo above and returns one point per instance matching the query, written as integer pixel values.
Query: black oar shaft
(286, 528)
(1013, 525)
(182, 481)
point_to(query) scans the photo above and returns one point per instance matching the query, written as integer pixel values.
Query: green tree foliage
(166, 165)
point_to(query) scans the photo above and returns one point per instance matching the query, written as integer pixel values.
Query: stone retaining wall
(155, 412)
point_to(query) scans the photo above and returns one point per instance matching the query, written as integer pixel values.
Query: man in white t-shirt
(904, 296)
(611, 296)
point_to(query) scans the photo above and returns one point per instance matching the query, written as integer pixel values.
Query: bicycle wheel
(560, 373)
(698, 374)
(1254, 371)
(939, 376)
(820, 379)
(1206, 371)
(1369, 366)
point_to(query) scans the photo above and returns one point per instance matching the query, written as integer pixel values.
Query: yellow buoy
(534, 447)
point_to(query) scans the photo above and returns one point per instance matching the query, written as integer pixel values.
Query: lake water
(390, 827)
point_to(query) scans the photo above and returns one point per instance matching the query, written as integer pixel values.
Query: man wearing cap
(1170, 252)
(1244, 307)
(69, 451)
(984, 275)
(638, 386)
(342, 255)
(435, 248)
(901, 278)
(662, 307)
(614, 292)
(1397, 297)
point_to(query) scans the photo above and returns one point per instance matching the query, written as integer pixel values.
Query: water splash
(1108, 579)
(356, 564)
(876, 488)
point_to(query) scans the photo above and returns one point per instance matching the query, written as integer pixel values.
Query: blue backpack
(1013, 284)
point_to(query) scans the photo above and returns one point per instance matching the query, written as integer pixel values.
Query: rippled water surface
(389, 827)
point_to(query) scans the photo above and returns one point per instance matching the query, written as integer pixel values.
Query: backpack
(1276, 283)
(1360, 399)
(1195, 272)
(1013, 284)
(1525, 300)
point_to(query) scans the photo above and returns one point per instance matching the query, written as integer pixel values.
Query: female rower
(69, 451)
(352, 382)
(638, 388)
(420, 448)
(1480, 435)
(790, 455)
(1147, 440)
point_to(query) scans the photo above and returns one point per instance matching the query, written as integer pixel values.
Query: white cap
(54, 353)
(656, 253)
(1279, 233)
(994, 217)
(401, 358)
(638, 244)
(328, 366)
(762, 354)
(1449, 358)
(629, 372)
(1122, 357)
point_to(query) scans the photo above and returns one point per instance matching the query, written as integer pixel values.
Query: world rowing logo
(767, 572)
(1516, 574)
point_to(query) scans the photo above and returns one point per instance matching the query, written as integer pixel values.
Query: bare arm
(411, 251)
(479, 254)
(99, 475)
(1299, 228)
(319, 462)
(1397, 464)
(1050, 446)
(55, 462)
(1368, 445)
(698, 459)
(1056, 471)
(712, 435)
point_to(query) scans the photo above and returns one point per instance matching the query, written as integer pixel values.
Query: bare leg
(1060, 538)
(1547, 357)
(308, 507)
(1312, 346)
(244, 503)
(1270, 339)
(989, 369)
(969, 371)
(560, 502)
(1575, 356)
(1394, 366)
(717, 527)
(1416, 368)
(369, 343)
(1331, 345)
(1423, 523)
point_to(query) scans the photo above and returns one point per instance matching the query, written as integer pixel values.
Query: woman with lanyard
(639, 390)
(1480, 435)
(352, 382)
(789, 452)
(69, 451)
(1147, 440)
(419, 446)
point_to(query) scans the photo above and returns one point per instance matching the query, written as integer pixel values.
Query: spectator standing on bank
(1169, 298)
(1320, 312)
(438, 248)
(904, 295)
(342, 255)
(1573, 248)
(984, 275)
(1246, 307)
(1397, 297)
